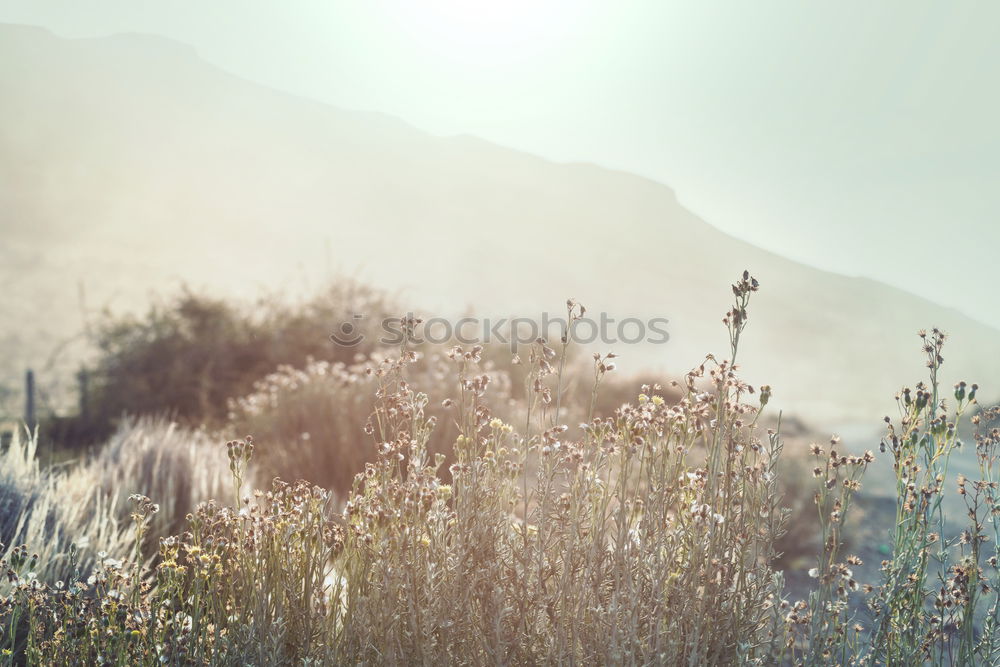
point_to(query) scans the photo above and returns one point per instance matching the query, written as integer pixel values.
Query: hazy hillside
(128, 165)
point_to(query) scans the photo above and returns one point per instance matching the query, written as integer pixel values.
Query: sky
(858, 137)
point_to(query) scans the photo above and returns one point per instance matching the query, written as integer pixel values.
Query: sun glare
(488, 30)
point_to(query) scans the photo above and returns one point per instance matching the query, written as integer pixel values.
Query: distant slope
(129, 165)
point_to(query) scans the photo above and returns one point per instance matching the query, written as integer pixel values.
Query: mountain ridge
(143, 39)
(140, 166)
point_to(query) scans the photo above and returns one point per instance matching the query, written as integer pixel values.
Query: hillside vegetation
(543, 532)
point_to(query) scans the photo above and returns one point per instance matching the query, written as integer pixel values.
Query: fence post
(83, 378)
(29, 399)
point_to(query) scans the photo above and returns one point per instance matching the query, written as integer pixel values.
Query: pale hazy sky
(861, 137)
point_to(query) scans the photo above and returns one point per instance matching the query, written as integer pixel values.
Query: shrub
(644, 537)
(914, 619)
(314, 420)
(185, 358)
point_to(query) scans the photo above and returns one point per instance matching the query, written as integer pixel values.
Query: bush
(314, 420)
(187, 357)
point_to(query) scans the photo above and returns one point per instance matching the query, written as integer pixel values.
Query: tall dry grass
(60, 513)
(72, 514)
(545, 534)
(179, 467)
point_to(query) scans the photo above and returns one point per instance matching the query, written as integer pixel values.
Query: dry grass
(485, 530)
(60, 514)
(71, 514)
(178, 467)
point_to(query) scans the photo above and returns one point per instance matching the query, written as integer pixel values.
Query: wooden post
(84, 399)
(29, 399)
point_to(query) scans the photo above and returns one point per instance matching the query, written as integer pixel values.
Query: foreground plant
(643, 537)
(936, 600)
(916, 621)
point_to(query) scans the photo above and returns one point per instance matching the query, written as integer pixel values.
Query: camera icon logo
(348, 334)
